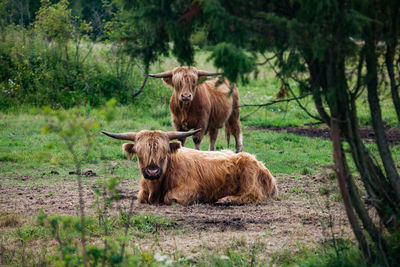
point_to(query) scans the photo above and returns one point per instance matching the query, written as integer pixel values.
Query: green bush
(57, 65)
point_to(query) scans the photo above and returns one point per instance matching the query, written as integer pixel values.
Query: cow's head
(183, 80)
(152, 149)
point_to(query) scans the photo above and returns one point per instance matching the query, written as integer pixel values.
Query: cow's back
(215, 174)
(205, 172)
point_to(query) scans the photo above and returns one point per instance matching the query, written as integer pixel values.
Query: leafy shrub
(56, 64)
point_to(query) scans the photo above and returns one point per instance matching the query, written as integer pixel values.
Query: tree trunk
(376, 117)
(374, 181)
(341, 126)
(391, 44)
(341, 176)
(335, 88)
(393, 86)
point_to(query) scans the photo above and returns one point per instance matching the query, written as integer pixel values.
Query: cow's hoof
(224, 201)
(238, 150)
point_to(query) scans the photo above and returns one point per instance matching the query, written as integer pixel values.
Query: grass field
(35, 175)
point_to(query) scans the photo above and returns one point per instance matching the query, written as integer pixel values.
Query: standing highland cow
(206, 105)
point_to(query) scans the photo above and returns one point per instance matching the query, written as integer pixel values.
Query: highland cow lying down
(172, 173)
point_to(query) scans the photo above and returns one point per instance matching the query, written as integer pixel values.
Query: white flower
(224, 257)
(169, 262)
(160, 257)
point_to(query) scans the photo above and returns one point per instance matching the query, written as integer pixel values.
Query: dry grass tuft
(9, 220)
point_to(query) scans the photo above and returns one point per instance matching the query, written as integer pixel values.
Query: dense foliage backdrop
(336, 50)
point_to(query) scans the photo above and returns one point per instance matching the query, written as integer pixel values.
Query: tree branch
(135, 94)
(275, 101)
(266, 59)
(300, 105)
(356, 92)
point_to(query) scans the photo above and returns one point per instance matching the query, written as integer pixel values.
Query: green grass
(147, 223)
(26, 151)
(342, 253)
(335, 253)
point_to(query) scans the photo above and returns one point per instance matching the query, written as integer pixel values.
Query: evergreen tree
(315, 43)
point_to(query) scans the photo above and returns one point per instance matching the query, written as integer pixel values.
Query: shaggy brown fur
(206, 105)
(189, 175)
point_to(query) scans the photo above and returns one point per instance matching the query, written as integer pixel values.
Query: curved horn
(162, 75)
(177, 135)
(207, 73)
(122, 136)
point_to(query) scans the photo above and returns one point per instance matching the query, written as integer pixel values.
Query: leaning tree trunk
(391, 44)
(342, 174)
(376, 117)
(394, 89)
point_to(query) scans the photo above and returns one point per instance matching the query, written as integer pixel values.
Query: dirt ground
(367, 133)
(299, 216)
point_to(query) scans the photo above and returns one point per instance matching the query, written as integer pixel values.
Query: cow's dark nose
(186, 97)
(152, 172)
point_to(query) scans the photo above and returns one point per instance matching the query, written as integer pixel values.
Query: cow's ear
(174, 146)
(129, 149)
(168, 81)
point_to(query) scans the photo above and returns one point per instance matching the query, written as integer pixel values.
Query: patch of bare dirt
(299, 216)
(367, 133)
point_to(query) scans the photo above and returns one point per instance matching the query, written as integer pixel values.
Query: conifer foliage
(334, 49)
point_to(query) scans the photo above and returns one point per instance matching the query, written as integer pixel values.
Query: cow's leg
(250, 188)
(234, 121)
(227, 134)
(234, 129)
(179, 195)
(143, 196)
(197, 139)
(182, 140)
(245, 198)
(229, 200)
(213, 138)
(239, 142)
(250, 192)
(154, 197)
